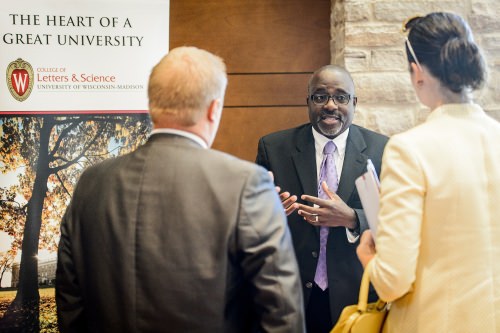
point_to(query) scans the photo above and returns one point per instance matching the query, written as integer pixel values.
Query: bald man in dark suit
(294, 157)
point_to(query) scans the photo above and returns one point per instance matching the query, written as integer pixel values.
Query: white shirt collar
(340, 142)
(188, 135)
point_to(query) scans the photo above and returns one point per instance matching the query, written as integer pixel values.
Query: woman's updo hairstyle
(443, 42)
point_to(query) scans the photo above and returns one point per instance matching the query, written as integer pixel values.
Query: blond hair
(184, 83)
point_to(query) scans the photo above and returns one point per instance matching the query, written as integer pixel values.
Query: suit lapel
(304, 160)
(354, 163)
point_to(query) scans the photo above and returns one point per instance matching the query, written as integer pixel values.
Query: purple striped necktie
(328, 173)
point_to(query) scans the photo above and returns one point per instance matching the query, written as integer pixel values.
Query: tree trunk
(23, 313)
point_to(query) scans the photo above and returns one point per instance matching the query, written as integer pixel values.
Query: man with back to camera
(295, 157)
(176, 237)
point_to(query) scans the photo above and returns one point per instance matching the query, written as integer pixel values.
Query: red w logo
(20, 78)
(20, 81)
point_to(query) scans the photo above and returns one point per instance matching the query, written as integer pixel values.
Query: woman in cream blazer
(437, 254)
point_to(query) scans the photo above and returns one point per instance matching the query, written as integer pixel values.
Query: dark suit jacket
(290, 155)
(176, 238)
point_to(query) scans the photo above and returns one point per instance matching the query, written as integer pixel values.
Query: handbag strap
(363, 289)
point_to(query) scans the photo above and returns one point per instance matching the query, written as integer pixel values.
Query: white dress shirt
(338, 155)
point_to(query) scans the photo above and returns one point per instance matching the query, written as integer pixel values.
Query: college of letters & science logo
(20, 78)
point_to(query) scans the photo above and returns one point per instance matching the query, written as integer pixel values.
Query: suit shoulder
(231, 162)
(99, 167)
(103, 170)
(109, 163)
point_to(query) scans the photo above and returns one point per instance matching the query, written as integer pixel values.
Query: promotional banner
(73, 93)
(79, 56)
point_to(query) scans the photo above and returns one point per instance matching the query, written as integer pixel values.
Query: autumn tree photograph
(41, 159)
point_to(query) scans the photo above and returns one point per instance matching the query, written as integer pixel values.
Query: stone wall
(367, 40)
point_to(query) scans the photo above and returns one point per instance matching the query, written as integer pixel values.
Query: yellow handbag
(363, 317)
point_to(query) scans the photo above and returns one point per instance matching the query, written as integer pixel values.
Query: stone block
(358, 11)
(391, 11)
(485, 7)
(357, 60)
(388, 60)
(384, 87)
(490, 42)
(387, 119)
(483, 23)
(373, 35)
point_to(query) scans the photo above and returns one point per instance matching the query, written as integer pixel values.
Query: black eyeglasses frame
(334, 98)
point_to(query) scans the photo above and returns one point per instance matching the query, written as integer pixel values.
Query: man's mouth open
(330, 119)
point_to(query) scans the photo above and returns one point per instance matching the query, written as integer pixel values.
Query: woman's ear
(417, 74)
(416, 70)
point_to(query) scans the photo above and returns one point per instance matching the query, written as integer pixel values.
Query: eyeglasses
(407, 25)
(322, 99)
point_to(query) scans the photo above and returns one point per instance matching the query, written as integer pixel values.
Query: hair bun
(462, 64)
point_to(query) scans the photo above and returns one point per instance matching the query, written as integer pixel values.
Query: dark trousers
(318, 317)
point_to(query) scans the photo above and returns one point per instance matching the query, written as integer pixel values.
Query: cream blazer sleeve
(398, 238)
